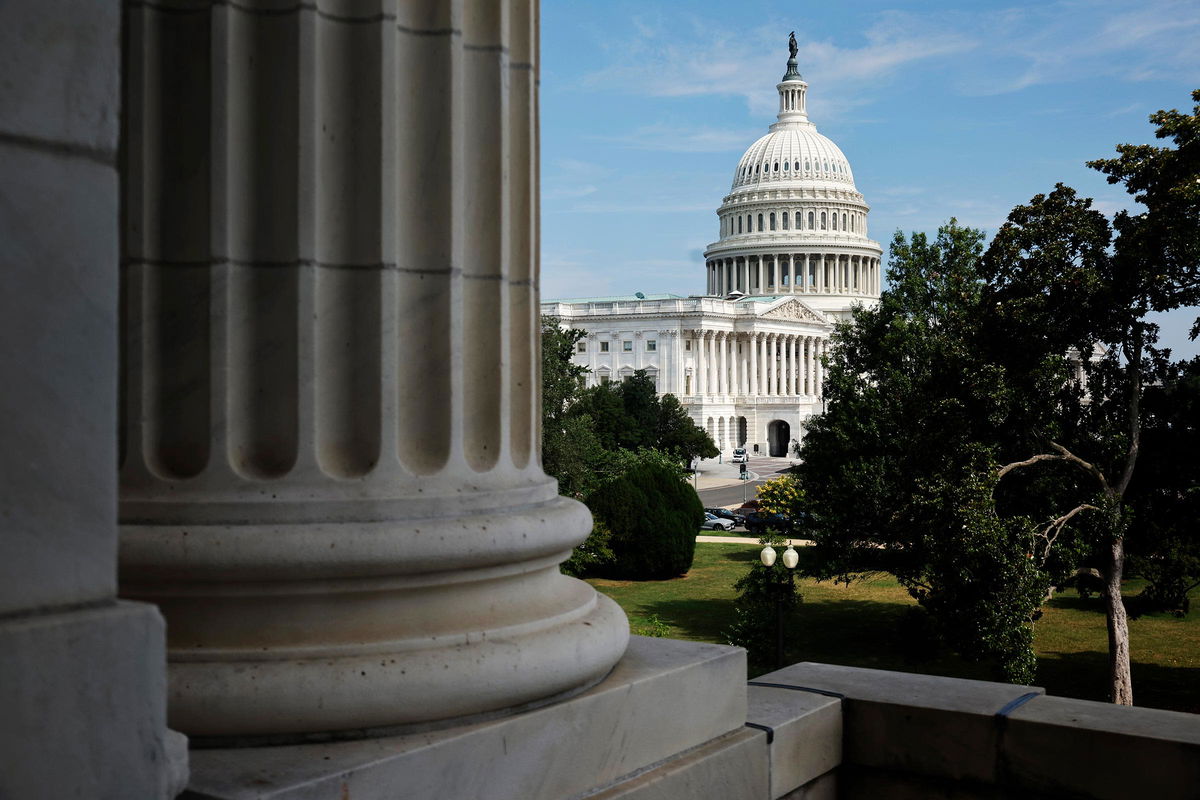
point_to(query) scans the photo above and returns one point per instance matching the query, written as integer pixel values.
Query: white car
(740, 456)
(715, 523)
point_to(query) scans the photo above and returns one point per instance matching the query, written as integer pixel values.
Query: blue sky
(944, 109)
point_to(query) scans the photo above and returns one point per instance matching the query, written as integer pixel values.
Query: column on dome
(329, 474)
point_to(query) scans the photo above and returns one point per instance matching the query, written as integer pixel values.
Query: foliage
(630, 415)
(650, 626)
(763, 593)
(653, 516)
(594, 552)
(783, 495)
(1034, 354)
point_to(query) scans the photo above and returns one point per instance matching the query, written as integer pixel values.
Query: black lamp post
(790, 559)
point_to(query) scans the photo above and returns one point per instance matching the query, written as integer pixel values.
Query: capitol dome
(793, 221)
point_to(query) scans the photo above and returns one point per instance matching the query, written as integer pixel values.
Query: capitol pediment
(796, 311)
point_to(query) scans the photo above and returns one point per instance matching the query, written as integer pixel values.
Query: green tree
(571, 451)
(1035, 355)
(653, 515)
(678, 435)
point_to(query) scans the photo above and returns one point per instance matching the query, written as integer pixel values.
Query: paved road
(764, 467)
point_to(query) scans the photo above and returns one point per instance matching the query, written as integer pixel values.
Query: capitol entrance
(779, 433)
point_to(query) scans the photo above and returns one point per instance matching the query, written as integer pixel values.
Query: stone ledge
(805, 740)
(663, 698)
(1057, 745)
(734, 767)
(924, 724)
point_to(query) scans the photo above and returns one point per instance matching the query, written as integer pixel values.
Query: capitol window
(776, 166)
(823, 225)
(785, 220)
(627, 346)
(810, 220)
(687, 345)
(760, 223)
(604, 347)
(785, 166)
(843, 222)
(651, 346)
(835, 222)
(581, 347)
(739, 224)
(772, 220)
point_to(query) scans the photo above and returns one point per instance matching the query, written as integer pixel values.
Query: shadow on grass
(1085, 676)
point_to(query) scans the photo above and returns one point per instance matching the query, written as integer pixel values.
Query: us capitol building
(791, 259)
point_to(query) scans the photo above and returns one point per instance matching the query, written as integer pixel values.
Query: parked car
(740, 456)
(714, 523)
(759, 522)
(725, 513)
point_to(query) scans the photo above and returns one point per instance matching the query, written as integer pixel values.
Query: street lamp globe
(790, 557)
(767, 556)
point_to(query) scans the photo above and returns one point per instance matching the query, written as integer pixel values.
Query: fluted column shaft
(754, 387)
(330, 478)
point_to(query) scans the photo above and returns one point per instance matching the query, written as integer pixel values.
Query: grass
(865, 625)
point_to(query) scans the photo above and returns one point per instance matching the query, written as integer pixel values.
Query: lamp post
(790, 559)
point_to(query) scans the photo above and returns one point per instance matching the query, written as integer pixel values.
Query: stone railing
(856, 733)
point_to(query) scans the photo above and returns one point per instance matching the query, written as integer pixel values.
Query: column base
(663, 699)
(84, 694)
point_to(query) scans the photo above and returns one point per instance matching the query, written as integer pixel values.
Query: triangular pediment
(795, 310)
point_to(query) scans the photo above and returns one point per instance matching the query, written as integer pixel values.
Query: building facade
(791, 259)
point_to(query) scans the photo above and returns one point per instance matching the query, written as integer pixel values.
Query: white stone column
(698, 346)
(770, 359)
(330, 479)
(792, 361)
(755, 386)
(722, 343)
(808, 361)
(735, 386)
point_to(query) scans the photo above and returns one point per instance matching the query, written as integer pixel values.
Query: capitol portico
(791, 260)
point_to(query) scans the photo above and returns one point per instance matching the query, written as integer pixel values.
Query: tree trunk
(1121, 691)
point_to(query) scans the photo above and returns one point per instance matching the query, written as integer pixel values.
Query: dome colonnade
(793, 221)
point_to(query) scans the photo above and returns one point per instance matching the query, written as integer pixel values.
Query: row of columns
(768, 364)
(798, 273)
(726, 432)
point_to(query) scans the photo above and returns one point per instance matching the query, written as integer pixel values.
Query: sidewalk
(744, 540)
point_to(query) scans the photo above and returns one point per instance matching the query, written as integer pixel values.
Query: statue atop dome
(792, 73)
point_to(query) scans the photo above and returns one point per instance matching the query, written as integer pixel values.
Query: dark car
(759, 522)
(725, 513)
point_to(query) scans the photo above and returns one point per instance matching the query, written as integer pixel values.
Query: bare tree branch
(1064, 455)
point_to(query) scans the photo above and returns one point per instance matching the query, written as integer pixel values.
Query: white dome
(793, 156)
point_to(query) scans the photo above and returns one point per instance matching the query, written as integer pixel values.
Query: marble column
(792, 361)
(772, 365)
(329, 470)
(701, 366)
(722, 342)
(754, 384)
(820, 368)
(735, 386)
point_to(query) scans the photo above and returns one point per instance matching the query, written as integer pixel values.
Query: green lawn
(864, 625)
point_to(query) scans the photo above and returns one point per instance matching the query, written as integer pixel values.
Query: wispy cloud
(701, 57)
(684, 139)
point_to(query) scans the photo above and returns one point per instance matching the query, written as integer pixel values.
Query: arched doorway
(779, 433)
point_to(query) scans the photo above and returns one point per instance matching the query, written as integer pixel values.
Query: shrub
(653, 517)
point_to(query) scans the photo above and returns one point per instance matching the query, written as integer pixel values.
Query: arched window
(843, 222)
(739, 224)
(760, 223)
(852, 216)
(834, 221)
(785, 165)
(749, 224)
(772, 220)
(823, 226)
(785, 220)
(797, 166)
(807, 167)
(776, 166)
(810, 220)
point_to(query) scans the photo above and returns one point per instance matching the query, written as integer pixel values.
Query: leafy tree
(767, 597)
(678, 435)
(571, 450)
(1035, 355)
(653, 515)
